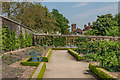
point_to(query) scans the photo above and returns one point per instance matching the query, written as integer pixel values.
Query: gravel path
(63, 65)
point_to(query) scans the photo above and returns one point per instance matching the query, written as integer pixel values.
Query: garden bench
(34, 56)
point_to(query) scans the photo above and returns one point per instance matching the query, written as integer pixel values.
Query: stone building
(75, 30)
(86, 28)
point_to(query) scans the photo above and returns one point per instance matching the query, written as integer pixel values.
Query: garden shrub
(28, 62)
(75, 54)
(12, 41)
(22, 40)
(41, 73)
(101, 74)
(105, 52)
(46, 59)
(5, 38)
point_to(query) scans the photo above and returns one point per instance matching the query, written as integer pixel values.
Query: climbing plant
(5, 38)
(12, 41)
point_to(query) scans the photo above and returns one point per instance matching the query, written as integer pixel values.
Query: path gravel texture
(63, 65)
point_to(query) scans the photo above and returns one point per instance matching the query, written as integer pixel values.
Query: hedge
(41, 74)
(33, 72)
(100, 72)
(46, 58)
(27, 62)
(75, 54)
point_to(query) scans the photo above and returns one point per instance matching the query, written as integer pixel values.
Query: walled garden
(105, 52)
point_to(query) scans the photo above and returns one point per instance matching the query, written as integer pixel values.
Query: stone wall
(13, 25)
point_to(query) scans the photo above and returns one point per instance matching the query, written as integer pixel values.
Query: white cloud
(81, 4)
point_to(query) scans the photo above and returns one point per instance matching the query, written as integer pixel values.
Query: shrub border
(47, 56)
(101, 73)
(25, 62)
(75, 54)
(41, 73)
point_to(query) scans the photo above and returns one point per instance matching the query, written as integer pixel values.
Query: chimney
(85, 26)
(88, 24)
(73, 28)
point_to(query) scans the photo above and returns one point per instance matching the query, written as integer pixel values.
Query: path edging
(101, 73)
(75, 54)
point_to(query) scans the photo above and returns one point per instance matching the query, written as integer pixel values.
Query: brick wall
(13, 25)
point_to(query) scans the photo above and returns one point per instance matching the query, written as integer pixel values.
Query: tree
(32, 15)
(62, 21)
(22, 40)
(12, 41)
(5, 38)
(106, 25)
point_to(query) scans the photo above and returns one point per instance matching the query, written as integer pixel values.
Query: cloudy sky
(83, 12)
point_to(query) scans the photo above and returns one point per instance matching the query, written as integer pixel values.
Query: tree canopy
(62, 21)
(105, 25)
(36, 16)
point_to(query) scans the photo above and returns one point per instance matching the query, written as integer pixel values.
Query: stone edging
(47, 53)
(37, 71)
(17, 50)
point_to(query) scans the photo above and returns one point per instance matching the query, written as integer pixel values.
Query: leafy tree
(32, 15)
(22, 40)
(106, 25)
(62, 21)
(12, 40)
(27, 37)
(5, 38)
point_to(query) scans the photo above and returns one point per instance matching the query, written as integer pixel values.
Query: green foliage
(60, 41)
(17, 45)
(22, 40)
(100, 73)
(106, 25)
(27, 62)
(33, 15)
(41, 73)
(76, 55)
(105, 52)
(28, 38)
(46, 46)
(46, 58)
(12, 41)
(62, 21)
(5, 38)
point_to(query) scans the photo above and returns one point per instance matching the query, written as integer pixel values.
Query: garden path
(63, 65)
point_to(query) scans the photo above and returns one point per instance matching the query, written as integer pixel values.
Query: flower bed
(11, 67)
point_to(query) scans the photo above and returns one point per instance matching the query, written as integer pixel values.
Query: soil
(11, 67)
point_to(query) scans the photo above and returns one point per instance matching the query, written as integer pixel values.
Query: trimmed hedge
(75, 54)
(101, 74)
(41, 74)
(27, 62)
(33, 72)
(46, 59)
